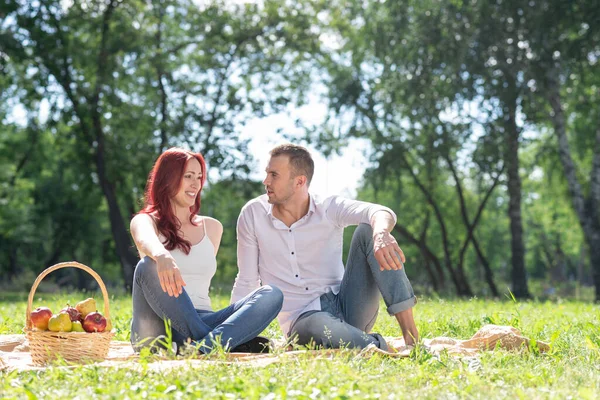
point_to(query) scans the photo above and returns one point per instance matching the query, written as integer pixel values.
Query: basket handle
(67, 264)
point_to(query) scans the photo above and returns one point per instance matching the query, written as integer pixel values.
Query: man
(293, 240)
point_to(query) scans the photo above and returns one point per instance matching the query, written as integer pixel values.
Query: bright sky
(336, 175)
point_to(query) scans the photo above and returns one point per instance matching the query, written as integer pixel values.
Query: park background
(476, 122)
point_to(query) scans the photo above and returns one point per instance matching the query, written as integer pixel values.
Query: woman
(177, 249)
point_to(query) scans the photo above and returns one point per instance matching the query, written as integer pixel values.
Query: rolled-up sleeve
(248, 277)
(345, 212)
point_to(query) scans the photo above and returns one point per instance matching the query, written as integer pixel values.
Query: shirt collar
(311, 206)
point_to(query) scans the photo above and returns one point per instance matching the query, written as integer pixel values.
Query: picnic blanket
(14, 351)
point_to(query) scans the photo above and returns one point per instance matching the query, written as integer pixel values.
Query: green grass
(571, 369)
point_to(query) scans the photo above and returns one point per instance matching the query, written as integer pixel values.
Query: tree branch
(461, 285)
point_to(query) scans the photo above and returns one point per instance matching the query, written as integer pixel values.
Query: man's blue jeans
(347, 318)
(229, 327)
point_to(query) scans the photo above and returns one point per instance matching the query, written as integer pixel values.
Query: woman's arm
(144, 233)
(215, 231)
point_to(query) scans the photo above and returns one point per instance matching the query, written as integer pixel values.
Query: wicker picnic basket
(75, 347)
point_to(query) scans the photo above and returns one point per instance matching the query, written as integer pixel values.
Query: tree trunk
(489, 275)
(117, 225)
(456, 274)
(518, 273)
(439, 281)
(471, 226)
(594, 244)
(429, 254)
(13, 265)
(434, 282)
(587, 215)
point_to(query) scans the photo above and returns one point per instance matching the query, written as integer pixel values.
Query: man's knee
(364, 230)
(364, 234)
(315, 329)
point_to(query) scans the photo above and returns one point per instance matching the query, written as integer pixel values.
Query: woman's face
(190, 185)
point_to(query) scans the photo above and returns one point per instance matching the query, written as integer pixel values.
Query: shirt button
(290, 230)
(296, 275)
(292, 253)
(306, 288)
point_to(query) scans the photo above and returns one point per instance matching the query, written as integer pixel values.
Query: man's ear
(301, 180)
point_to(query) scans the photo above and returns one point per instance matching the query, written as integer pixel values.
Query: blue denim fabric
(229, 327)
(347, 318)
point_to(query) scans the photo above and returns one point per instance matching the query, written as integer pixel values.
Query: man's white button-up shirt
(303, 260)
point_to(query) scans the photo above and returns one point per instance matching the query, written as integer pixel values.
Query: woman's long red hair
(163, 184)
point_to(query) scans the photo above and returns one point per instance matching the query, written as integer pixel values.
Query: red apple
(94, 322)
(40, 317)
(74, 314)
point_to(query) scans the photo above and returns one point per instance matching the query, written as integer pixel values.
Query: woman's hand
(169, 275)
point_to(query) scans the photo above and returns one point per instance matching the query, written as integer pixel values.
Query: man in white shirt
(293, 240)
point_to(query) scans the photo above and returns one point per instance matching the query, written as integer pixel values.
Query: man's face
(279, 182)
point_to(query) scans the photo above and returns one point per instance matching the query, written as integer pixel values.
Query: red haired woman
(177, 249)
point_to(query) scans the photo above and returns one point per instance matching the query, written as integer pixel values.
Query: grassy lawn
(570, 370)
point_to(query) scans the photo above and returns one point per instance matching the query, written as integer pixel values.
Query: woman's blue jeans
(229, 327)
(346, 318)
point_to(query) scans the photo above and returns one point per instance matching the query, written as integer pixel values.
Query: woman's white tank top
(197, 270)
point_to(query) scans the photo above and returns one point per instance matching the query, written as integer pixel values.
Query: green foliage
(91, 92)
(439, 88)
(104, 87)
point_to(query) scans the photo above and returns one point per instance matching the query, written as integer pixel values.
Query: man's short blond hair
(300, 159)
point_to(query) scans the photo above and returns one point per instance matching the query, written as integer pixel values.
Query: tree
(564, 47)
(396, 79)
(185, 75)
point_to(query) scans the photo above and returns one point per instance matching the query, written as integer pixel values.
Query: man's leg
(363, 282)
(324, 329)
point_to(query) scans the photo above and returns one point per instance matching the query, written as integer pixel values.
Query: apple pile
(84, 317)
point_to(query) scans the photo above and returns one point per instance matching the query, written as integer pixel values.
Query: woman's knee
(273, 294)
(146, 266)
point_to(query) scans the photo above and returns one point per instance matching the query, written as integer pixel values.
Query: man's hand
(387, 252)
(169, 275)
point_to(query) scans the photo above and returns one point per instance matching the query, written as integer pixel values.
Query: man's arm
(345, 212)
(387, 252)
(247, 278)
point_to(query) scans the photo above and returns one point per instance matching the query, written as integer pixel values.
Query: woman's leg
(242, 320)
(151, 306)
